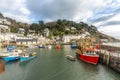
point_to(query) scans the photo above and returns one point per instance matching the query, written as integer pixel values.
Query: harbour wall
(110, 56)
(111, 48)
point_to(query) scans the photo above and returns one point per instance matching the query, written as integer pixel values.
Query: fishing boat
(25, 56)
(87, 53)
(89, 57)
(70, 57)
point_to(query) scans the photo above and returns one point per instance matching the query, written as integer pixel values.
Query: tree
(1, 15)
(59, 21)
(34, 26)
(14, 30)
(26, 31)
(41, 25)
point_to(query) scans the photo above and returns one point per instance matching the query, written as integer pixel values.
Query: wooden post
(2, 66)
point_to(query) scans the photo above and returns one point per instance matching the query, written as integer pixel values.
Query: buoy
(58, 47)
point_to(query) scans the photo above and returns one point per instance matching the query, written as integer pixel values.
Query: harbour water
(52, 64)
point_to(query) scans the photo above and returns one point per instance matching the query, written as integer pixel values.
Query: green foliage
(14, 30)
(59, 27)
(67, 32)
(41, 25)
(35, 27)
(1, 15)
(50, 36)
(26, 32)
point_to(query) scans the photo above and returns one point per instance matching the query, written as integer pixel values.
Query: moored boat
(12, 56)
(27, 56)
(49, 46)
(41, 46)
(89, 58)
(73, 45)
(58, 47)
(87, 53)
(70, 57)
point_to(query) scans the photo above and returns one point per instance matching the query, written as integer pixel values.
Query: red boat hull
(89, 58)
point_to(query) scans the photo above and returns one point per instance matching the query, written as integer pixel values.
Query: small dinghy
(70, 57)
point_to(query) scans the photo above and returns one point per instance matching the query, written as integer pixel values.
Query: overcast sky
(104, 14)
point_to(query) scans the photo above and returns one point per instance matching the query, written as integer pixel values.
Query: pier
(110, 56)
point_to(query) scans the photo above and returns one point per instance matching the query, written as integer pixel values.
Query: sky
(104, 14)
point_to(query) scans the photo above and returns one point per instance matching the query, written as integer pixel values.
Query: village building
(21, 30)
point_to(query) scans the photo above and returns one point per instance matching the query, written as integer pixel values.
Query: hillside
(13, 24)
(1, 16)
(64, 27)
(57, 28)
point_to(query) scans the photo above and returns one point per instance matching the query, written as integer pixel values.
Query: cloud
(107, 18)
(102, 13)
(110, 10)
(15, 9)
(35, 10)
(17, 17)
(112, 30)
(110, 23)
(63, 9)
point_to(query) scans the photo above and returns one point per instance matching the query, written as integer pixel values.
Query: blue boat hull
(26, 58)
(73, 46)
(7, 59)
(41, 47)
